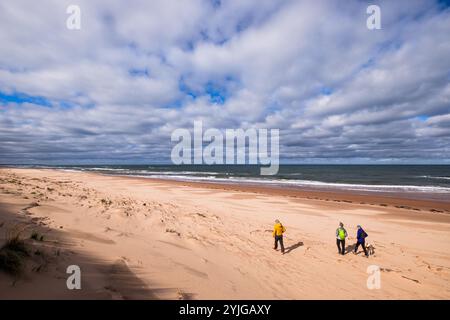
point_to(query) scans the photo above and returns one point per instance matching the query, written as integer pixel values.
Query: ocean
(433, 179)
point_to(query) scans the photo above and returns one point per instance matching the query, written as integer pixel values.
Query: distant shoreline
(398, 200)
(429, 182)
(415, 201)
(244, 185)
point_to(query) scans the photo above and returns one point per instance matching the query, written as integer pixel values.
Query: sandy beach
(153, 239)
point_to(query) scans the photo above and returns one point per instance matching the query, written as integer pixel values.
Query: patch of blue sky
(444, 4)
(218, 38)
(216, 3)
(368, 64)
(423, 117)
(326, 91)
(388, 46)
(13, 69)
(177, 104)
(217, 94)
(66, 104)
(20, 98)
(184, 88)
(274, 107)
(217, 91)
(383, 48)
(243, 25)
(190, 45)
(204, 35)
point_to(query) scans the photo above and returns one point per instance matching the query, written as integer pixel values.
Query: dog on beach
(370, 249)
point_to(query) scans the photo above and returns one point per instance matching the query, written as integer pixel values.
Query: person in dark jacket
(361, 236)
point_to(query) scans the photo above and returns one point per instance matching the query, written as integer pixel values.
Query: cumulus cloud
(114, 91)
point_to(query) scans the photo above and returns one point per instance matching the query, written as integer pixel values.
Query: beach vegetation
(13, 252)
(106, 202)
(36, 236)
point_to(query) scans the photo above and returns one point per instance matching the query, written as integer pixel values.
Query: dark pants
(340, 243)
(363, 244)
(280, 240)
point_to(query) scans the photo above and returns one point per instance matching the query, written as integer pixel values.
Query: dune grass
(36, 236)
(13, 253)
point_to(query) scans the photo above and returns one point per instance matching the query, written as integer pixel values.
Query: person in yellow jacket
(278, 231)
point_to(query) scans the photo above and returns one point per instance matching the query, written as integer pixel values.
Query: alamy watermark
(231, 146)
(374, 20)
(374, 278)
(73, 22)
(74, 280)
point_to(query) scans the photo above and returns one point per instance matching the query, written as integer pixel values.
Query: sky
(113, 91)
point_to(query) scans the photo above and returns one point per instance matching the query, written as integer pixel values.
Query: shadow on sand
(45, 266)
(350, 248)
(293, 247)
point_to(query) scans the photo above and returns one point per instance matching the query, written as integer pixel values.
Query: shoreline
(425, 191)
(382, 199)
(415, 201)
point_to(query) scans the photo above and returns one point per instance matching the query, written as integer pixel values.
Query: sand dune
(144, 239)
